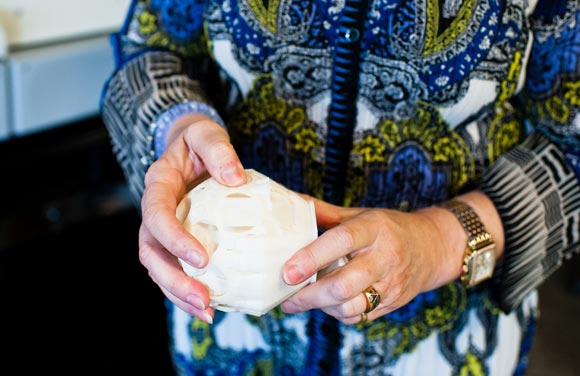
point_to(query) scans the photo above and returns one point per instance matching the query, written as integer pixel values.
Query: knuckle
(144, 257)
(351, 320)
(151, 214)
(301, 302)
(154, 171)
(397, 292)
(341, 290)
(173, 288)
(162, 172)
(344, 236)
(373, 215)
(348, 309)
(221, 150)
(310, 261)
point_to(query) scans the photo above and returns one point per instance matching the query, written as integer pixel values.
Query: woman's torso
(397, 104)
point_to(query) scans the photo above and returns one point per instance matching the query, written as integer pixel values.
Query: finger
(340, 241)
(205, 314)
(166, 271)
(337, 288)
(348, 311)
(159, 204)
(211, 144)
(379, 312)
(351, 312)
(329, 215)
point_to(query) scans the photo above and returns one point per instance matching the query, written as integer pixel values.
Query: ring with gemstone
(373, 298)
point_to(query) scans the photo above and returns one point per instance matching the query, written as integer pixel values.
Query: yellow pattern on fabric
(262, 105)
(147, 23)
(425, 128)
(491, 305)
(559, 107)
(370, 149)
(429, 130)
(505, 131)
(572, 94)
(442, 316)
(558, 110)
(306, 140)
(258, 321)
(263, 367)
(199, 348)
(407, 335)
(262, 108)
(436, 41)
(267, 16)
(472, 366)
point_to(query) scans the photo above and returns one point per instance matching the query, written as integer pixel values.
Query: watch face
(481, 264)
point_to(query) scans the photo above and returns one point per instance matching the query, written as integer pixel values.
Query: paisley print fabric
(377, 103)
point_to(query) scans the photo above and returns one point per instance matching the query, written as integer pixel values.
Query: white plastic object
(249, 232)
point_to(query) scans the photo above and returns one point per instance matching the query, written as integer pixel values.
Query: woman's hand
(400, 254)
(197, 146)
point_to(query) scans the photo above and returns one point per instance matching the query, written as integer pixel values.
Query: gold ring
(373, 298)
(363, 318)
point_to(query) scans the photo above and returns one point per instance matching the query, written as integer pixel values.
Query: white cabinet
(34, 22)
(55, 58)
(58, 84)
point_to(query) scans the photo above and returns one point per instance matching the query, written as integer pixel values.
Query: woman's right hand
(196, 146)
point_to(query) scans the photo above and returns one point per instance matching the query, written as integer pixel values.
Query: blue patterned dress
(377, 103)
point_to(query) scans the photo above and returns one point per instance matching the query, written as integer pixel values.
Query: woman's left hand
(399, 254)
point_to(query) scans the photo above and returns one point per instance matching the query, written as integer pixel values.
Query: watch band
(479, 258)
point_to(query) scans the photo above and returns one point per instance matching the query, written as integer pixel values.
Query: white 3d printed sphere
(249, 232)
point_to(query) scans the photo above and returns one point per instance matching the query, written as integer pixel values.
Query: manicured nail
(207, 317)
(195, 259)
(293, 273)
(196, 301)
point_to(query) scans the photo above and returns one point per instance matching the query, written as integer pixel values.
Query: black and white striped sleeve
(535, 186)
(136, 95)
(538, 198)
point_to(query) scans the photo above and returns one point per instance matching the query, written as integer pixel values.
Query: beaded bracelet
(165, 121)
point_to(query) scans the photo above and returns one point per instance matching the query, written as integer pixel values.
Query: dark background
(74, 299)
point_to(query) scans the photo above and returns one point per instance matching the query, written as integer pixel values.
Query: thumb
(212, 145)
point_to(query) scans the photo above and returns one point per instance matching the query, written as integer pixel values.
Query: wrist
(181, 123)
(171, 123)
(480, 251)
(469, 235)
(447, 244)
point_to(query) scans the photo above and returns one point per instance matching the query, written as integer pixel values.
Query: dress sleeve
(161, 60)
(535, 186)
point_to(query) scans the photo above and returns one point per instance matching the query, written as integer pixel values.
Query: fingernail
(196, 301)
(290, 307)
(233, 175)
(293, 273)
(207, 317)
(195, 259)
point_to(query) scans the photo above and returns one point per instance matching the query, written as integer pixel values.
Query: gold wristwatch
(479, 259)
